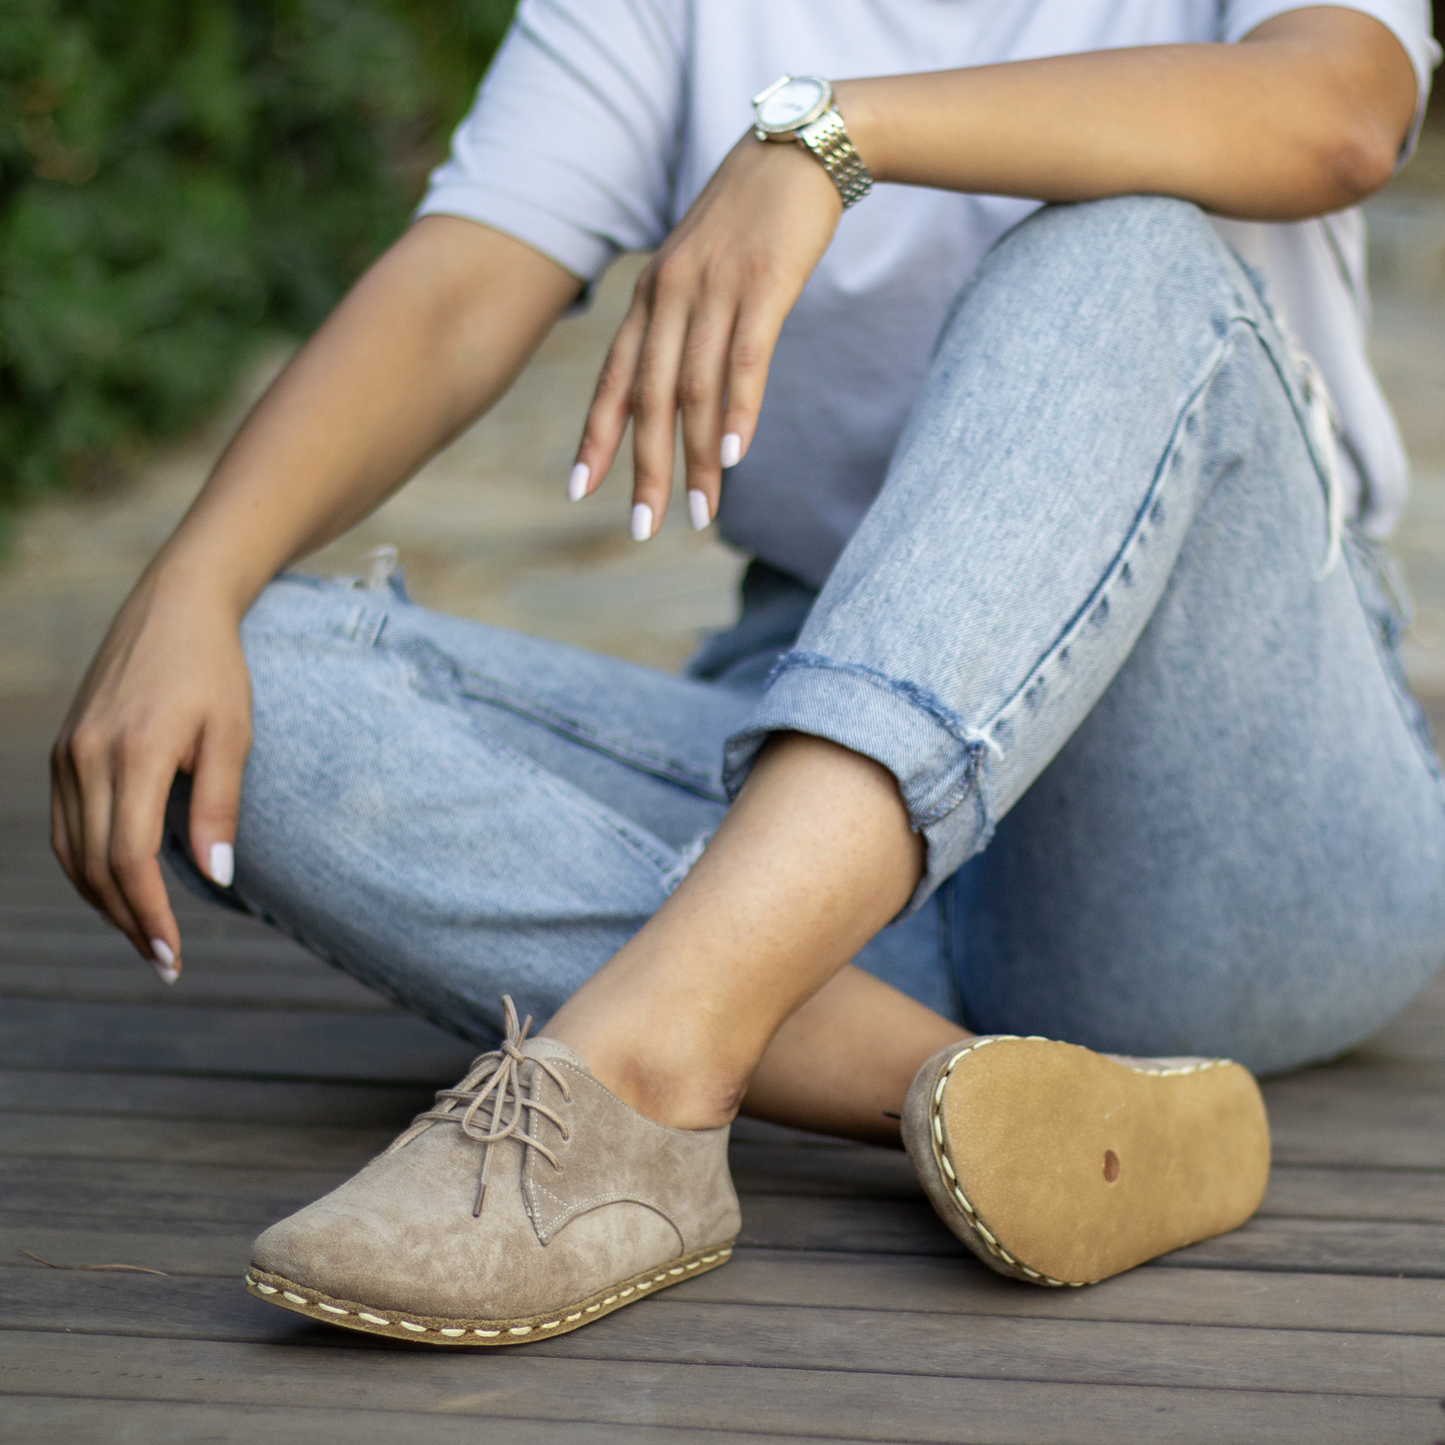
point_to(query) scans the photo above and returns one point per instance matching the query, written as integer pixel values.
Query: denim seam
(1405, 705)
(920, 697)
(1119, 565)
(483, 688)
(1290, 381)
(367, 623)
(653, 850)
(921, 700)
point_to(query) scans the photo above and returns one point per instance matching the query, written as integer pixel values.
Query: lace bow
(493, 1084)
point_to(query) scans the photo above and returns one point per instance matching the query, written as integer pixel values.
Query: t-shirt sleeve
(572, 144)
(1409, 20)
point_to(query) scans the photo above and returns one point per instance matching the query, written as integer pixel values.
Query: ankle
(673, 1090)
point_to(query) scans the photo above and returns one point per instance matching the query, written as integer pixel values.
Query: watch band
(827, 138)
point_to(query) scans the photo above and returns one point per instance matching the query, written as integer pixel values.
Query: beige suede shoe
(528, 1202)
(1063, 1167)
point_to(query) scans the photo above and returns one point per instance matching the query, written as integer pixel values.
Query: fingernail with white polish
(697, 509)
(577, 482)
(731, 451)
(641, 522)
(223, 864)
(164, 961)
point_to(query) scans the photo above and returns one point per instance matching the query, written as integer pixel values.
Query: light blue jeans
(1175, 794)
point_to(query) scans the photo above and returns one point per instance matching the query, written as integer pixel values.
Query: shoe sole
(1061, 1166)
(434, 1330)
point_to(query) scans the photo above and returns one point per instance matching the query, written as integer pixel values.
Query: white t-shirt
(600, 121)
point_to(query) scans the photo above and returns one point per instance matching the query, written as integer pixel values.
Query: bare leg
(842, 1062)
(814, 858)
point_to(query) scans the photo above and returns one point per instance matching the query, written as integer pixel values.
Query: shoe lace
(493, 1084)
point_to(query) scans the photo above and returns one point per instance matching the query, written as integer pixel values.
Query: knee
(1122, 230)
(1121, 251)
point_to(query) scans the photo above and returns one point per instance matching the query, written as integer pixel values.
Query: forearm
(1303, 117)
(427, 339)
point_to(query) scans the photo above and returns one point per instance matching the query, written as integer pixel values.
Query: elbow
(1329, 168)
(1352, 163)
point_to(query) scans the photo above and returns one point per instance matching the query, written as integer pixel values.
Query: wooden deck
(164, 1128)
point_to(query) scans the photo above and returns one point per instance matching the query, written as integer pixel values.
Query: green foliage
(181, 177)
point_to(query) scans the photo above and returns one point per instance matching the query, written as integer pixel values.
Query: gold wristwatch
(800, 108)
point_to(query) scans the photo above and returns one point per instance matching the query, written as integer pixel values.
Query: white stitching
(935, 1133)
(453, 1332)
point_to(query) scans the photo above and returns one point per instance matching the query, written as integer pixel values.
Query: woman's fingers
(67, 829)
(701, 384)
(611, 407)
(702, 326)
(655, 392)
(93, 758)
(753, 340)
(142, 781)
(216, 799)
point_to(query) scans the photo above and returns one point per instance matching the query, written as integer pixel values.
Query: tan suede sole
(431, 1330)
(1062, 1166)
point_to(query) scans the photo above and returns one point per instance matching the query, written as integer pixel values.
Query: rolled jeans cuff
(937, 760)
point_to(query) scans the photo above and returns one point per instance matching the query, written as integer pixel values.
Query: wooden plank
(220, 1251)
(863, 1403)
(1310, 1246)
(1304, 1245)
(186, 1141)
(1390, 1117)
(42, 911)
(1179, 1296)
(75, 1133)
(130, 980)
(184, 1036)
(398, 1048)
(1405, 1195)
(76, 1190)
(857, 1173)
(1417, 1036)
(256, 1101)
(151, 1422)
(841, 1281)
(45, 947)
(792, 1162)
(38, 881)
(675, 1329)
(70, 1191)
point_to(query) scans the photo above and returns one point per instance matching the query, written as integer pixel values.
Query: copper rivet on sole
(1111, 1166)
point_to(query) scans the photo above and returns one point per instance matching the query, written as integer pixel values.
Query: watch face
(789, 104)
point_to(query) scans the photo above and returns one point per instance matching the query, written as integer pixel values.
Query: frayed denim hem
(925, 745)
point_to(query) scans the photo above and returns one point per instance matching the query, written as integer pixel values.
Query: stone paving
(486, 532)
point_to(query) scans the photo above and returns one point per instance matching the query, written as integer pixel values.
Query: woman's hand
(702, 326)
(425, 341)
(167, 692)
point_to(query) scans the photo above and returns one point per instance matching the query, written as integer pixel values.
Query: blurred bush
(179, 178)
